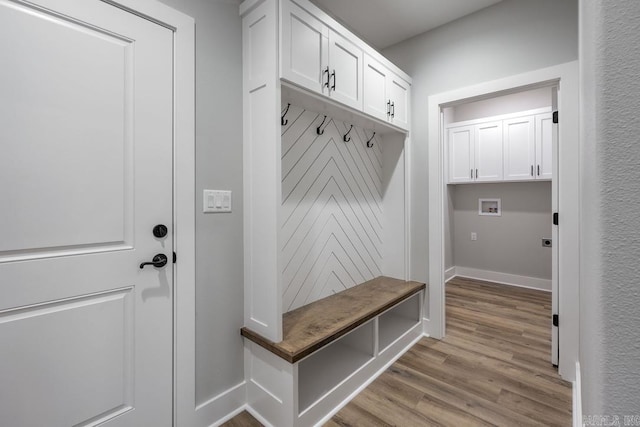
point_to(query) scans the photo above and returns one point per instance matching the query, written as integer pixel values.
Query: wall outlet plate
(216, 201)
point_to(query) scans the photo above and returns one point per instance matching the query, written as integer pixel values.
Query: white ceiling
(383, 23)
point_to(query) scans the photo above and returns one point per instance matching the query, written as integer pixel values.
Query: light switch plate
(216, 201)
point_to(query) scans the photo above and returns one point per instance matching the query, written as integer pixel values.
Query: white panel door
(519, 149)
(85, 175)
(488, 151)
(400, 99)
(345, 62)
(461, 154)
(544, 146)
(304, 56)
(376, 78)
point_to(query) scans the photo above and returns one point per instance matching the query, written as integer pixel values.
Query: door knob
(158, 261)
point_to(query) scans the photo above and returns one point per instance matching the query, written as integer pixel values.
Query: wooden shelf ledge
(313, 326)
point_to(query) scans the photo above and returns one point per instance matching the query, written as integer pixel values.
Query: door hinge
(555, 218)
(175, 257)
(555, 117)
(555, 320)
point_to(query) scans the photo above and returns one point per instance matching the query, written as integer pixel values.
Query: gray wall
(512, 103)
(512, 37)
(610, 222)
(510, 243)
(219, 252)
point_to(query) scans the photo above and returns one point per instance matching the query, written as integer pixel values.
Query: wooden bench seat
(313, 326)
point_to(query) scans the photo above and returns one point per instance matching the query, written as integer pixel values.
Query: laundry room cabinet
(475, 152)
(513, 147)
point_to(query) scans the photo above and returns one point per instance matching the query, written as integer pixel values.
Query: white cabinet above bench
(319, 55)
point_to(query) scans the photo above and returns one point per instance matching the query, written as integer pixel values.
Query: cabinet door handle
(476, 173)
(389, 109)
(531, 170)
(334, 80)
(328, 77)
(471, 173)
(393, 109)
(538, 170)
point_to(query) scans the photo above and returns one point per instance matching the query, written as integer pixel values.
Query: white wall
(510, 243)
(219, 252)
(512, 37)
(512, 103)
(610, 222)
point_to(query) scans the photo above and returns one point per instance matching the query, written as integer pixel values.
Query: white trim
(566, 76)
(504, 278)
(577, 399)
(449, 273)
(222, 407)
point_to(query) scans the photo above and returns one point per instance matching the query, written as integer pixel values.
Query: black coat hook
(282, 120)
(344, 138)
(320, 130)
(369, 143)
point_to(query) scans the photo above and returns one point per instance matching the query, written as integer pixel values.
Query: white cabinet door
(488, 151)
(345, 62)
(461, 154)
(376, 79)
(305, 43)
(85, 175)
(519, 148)
(544, 146)
(400, 99)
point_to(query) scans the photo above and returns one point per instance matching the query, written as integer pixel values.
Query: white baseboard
(222, 407)
(503, 278)
(449, 274)
(577, 399)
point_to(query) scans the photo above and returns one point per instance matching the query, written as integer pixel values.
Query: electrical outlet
(546, 243)
(474, 235)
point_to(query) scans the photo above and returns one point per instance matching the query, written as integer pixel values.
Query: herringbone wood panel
(331, 208)
(492, 368)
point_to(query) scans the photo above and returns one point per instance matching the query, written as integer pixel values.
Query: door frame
(566, 77)
(183, 27)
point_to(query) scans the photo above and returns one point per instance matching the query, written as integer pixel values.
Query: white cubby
(397, 321)
(325, 369)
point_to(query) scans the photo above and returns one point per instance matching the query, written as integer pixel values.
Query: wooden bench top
(315, 325)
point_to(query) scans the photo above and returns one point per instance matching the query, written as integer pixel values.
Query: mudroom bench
(330, 350)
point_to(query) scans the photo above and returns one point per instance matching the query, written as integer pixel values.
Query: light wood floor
(492, 368)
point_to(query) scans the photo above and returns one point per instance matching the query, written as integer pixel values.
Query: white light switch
(216, 201)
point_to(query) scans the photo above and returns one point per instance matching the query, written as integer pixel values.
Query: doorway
(500, 164)
(564, 77)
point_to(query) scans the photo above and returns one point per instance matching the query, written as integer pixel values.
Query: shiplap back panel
(332, 216)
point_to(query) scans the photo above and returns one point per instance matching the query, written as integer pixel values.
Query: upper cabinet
(305, 49)
(319, 55)
(386, 95)
(507, 148)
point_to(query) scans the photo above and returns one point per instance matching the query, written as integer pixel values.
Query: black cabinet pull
(393, 109)
(531, 170)
(538, 170)
(334, 80)
(328, 77)
(388, 108)
(476, 173)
